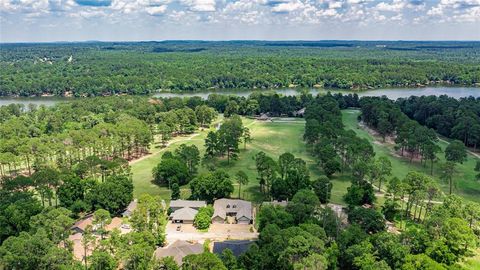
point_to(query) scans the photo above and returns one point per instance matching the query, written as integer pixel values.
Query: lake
(393, 93)
(47, 101)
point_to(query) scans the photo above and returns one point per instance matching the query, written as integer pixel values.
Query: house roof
(238, 247)
(301, 111)
(131, 207)
(276, 203)
(114, 224)
(185, 213)
(240, 207)
(83, 223)
(178, 250)
(186, 203)
(263, 116)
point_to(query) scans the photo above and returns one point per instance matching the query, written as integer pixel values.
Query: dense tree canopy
(145, 67)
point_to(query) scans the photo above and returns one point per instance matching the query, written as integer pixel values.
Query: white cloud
(336, 4)
(89, 13)
(151, 7)
(456, 11)
(394, 6)
(271, 13)
(156, 10)
(287, 7)
(200, 5)
(24, 6)
(354, 2)
(327, 13)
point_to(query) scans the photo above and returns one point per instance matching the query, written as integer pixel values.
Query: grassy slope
(467, 186)
(471, 262)
(274, 138)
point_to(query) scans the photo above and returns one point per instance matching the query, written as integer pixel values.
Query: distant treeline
(98, 68)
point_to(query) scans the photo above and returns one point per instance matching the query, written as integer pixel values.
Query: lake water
(47, 101)
(394, 93)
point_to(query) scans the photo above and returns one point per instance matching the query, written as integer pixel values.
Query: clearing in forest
(466, 184)
(274, 138)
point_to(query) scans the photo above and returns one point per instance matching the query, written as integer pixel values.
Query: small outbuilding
(299, 113)
(263, 117)
(276, 203)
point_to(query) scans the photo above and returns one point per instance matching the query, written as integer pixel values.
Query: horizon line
(239, 40)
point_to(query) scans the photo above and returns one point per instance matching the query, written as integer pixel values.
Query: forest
(75, 159)
(103, 68)
(452, 118)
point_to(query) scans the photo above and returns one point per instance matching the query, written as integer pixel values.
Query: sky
(136, 20)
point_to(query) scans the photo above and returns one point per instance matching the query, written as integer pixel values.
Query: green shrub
(203, 218)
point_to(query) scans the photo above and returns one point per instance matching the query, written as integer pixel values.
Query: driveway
(216, 232)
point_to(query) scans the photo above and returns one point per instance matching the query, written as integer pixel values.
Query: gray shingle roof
(178, 250)
(186, 203)
(185, 213)
(276, 203)
(240, 207)
(130, 208)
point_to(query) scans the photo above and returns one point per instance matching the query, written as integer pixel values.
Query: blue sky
(130, 20)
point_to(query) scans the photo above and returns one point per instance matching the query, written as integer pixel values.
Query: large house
(232, 211)
(178, 250)
(178, 204)
(184, 215)
(183, 211)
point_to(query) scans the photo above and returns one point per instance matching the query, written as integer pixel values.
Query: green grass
(274, 138)
(471, 262)
(142, 169)
(466, 185)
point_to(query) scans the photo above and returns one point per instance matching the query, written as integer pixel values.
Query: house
(130, 208)
(299, 113)
(81, 225)
(239, 210)
(178, 204)
(276, 203)
(116, 223)
(79, 250)
(263, 117)
(184, 215)
(238, 247)
(178, 250)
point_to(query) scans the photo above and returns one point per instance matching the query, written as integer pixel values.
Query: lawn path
(179, 139)
(465, 180)
(470, 152)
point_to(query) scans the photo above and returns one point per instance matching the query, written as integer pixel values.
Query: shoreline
(237, 91)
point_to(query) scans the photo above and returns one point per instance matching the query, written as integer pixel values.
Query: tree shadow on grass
(253, 194)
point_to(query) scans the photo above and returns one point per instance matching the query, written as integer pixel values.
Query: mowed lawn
(142, 169)
(466, 184)
(274, 138)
